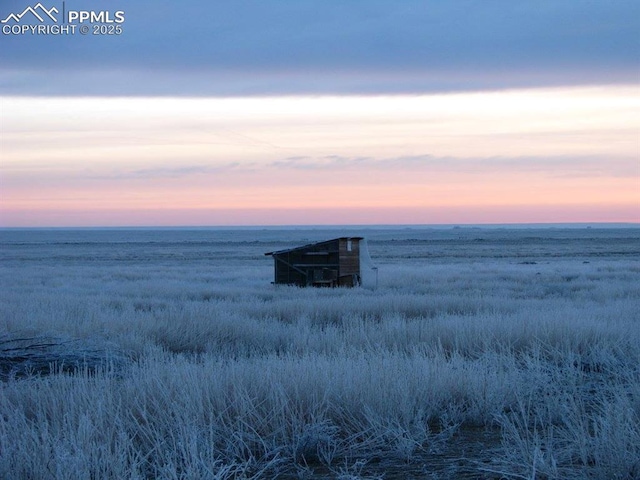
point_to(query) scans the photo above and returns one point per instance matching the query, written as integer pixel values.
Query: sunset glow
(537, 155)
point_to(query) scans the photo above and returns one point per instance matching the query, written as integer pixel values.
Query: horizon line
(329, 226)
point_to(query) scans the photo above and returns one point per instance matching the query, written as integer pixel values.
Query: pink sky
(523, 156)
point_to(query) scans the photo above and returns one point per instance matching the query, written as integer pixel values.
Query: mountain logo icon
(37, 11)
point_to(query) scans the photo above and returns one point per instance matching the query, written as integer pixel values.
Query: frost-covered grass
(229, 376)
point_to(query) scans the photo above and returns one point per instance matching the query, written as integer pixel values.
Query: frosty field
(483, 353)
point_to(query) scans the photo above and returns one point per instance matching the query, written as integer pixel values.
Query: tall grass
(230, 377)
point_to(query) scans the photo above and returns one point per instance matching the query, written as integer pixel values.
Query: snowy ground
(484, 353)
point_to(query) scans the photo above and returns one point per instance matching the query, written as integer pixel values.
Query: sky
(277, 112)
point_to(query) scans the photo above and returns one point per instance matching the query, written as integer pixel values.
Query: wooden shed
(325, 264)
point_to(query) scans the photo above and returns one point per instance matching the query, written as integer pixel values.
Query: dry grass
(211, 372)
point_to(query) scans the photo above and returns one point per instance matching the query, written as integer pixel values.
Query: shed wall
(330, 263)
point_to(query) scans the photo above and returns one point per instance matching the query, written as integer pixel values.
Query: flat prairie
(484, 352)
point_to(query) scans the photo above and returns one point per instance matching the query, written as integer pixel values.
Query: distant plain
(485, 352)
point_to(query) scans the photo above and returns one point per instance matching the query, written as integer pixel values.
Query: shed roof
(303, 247)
